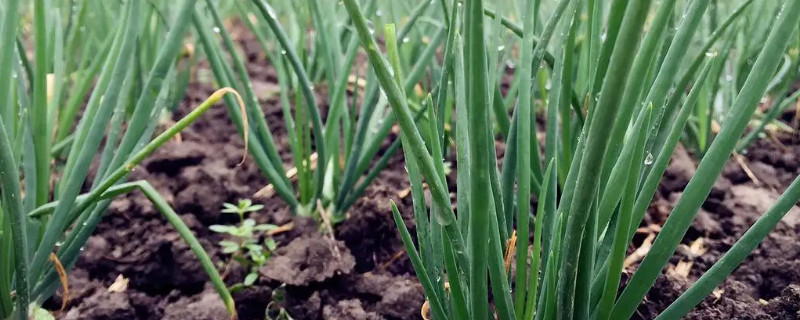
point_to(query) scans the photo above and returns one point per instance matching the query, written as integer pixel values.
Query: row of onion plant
(122, 56)
(603, 156)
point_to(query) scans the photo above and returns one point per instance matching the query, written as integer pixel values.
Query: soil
(767, 284)
(359, 275)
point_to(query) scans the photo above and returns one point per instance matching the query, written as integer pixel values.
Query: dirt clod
(348, 310)
(308, 259)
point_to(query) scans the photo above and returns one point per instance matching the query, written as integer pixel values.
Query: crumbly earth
(360, 279)
(765, 286)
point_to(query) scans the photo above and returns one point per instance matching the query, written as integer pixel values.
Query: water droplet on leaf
(648, 160)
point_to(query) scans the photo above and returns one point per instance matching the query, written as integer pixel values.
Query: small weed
(245, 247)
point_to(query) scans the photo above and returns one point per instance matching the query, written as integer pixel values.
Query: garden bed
(364, 274)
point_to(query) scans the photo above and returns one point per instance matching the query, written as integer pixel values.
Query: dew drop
(501, 48)
(216, 29)
(648, 160)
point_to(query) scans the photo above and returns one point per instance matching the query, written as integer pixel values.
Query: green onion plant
(335, 147)
(120, 55)
(618, 84)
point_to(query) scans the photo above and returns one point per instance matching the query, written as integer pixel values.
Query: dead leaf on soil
(641, 251)
(717, 293)
(284, 228)
(119, 285)
(692, 251)
(697, 248)
(681, 269)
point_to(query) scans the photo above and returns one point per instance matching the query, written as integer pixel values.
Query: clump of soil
(307, 260)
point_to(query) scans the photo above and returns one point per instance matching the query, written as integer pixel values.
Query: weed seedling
(246, 247)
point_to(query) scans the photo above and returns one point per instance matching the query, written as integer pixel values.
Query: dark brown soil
(765, 286)
(356, 277)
